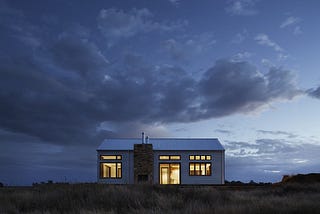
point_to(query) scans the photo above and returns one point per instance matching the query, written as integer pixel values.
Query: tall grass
(98, 198)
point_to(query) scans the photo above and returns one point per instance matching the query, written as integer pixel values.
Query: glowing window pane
(197, 166)
(110, 170)
(110, 157)
(191, 169)
(197, 157)
(203, 157)
(119, 171)
(203, 169)
(208, 169)
(170, 173)
(164, 157)
(208, 157)
(191, 157)
(191, 166)
(175, 157)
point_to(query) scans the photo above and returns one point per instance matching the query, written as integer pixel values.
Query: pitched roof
(163, 144)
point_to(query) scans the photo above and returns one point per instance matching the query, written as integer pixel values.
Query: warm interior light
(170, 173)
(111, 170)
(110, 157)
(164, 157)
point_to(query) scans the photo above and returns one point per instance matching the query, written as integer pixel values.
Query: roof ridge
(163, 138)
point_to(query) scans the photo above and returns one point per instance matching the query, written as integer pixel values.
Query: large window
(110, 170)
(200, 169)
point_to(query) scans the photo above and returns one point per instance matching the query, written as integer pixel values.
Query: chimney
(147, 139)
(142, 138)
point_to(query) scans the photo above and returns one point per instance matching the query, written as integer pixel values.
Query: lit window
(208, 168)
(175, 157)
(110, 157)
(197, 169)
(110, 170)
(200, 169)
(169, 157)
(191, 169)
(200, 157)
(164, 157)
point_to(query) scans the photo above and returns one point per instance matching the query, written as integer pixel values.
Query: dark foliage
(300, 178)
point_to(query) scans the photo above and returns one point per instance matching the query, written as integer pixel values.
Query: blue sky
(74, 73)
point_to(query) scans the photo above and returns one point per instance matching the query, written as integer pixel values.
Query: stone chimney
(143, 163)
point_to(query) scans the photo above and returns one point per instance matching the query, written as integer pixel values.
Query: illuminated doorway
(169, 173)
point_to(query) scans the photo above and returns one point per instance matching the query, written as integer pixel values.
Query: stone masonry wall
(143, 163)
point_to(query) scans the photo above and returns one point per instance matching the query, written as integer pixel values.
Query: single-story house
(161, 161)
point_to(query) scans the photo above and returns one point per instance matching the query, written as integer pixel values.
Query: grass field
(98, 198)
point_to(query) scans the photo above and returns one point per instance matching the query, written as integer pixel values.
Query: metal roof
(163, 144)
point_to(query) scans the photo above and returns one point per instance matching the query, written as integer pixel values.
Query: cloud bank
(66, 101)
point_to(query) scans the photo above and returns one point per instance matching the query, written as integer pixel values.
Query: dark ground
(295, 196)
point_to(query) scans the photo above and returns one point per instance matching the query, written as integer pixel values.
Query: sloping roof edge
(163, 144)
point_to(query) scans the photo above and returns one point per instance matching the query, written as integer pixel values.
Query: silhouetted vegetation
(100, 198)
(1, 184)
(300, 178)
(251, 183)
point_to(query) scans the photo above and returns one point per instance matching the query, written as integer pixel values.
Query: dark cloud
(78, 55)
(315, 93)
(231, 87)
(223, 131)
(65, 94)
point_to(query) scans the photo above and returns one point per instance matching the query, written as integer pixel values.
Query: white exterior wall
(127, 167)
(217, 166)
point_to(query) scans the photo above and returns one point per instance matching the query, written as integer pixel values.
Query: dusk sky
(73, 73)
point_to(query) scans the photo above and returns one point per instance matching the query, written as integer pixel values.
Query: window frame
(116, 170)
(200, 157)
(169, 158)
(199, 165)
(169, 163)
(116, 157)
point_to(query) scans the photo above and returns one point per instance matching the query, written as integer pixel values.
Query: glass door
(169, 173)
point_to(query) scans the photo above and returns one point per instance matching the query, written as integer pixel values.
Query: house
(161, 161)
